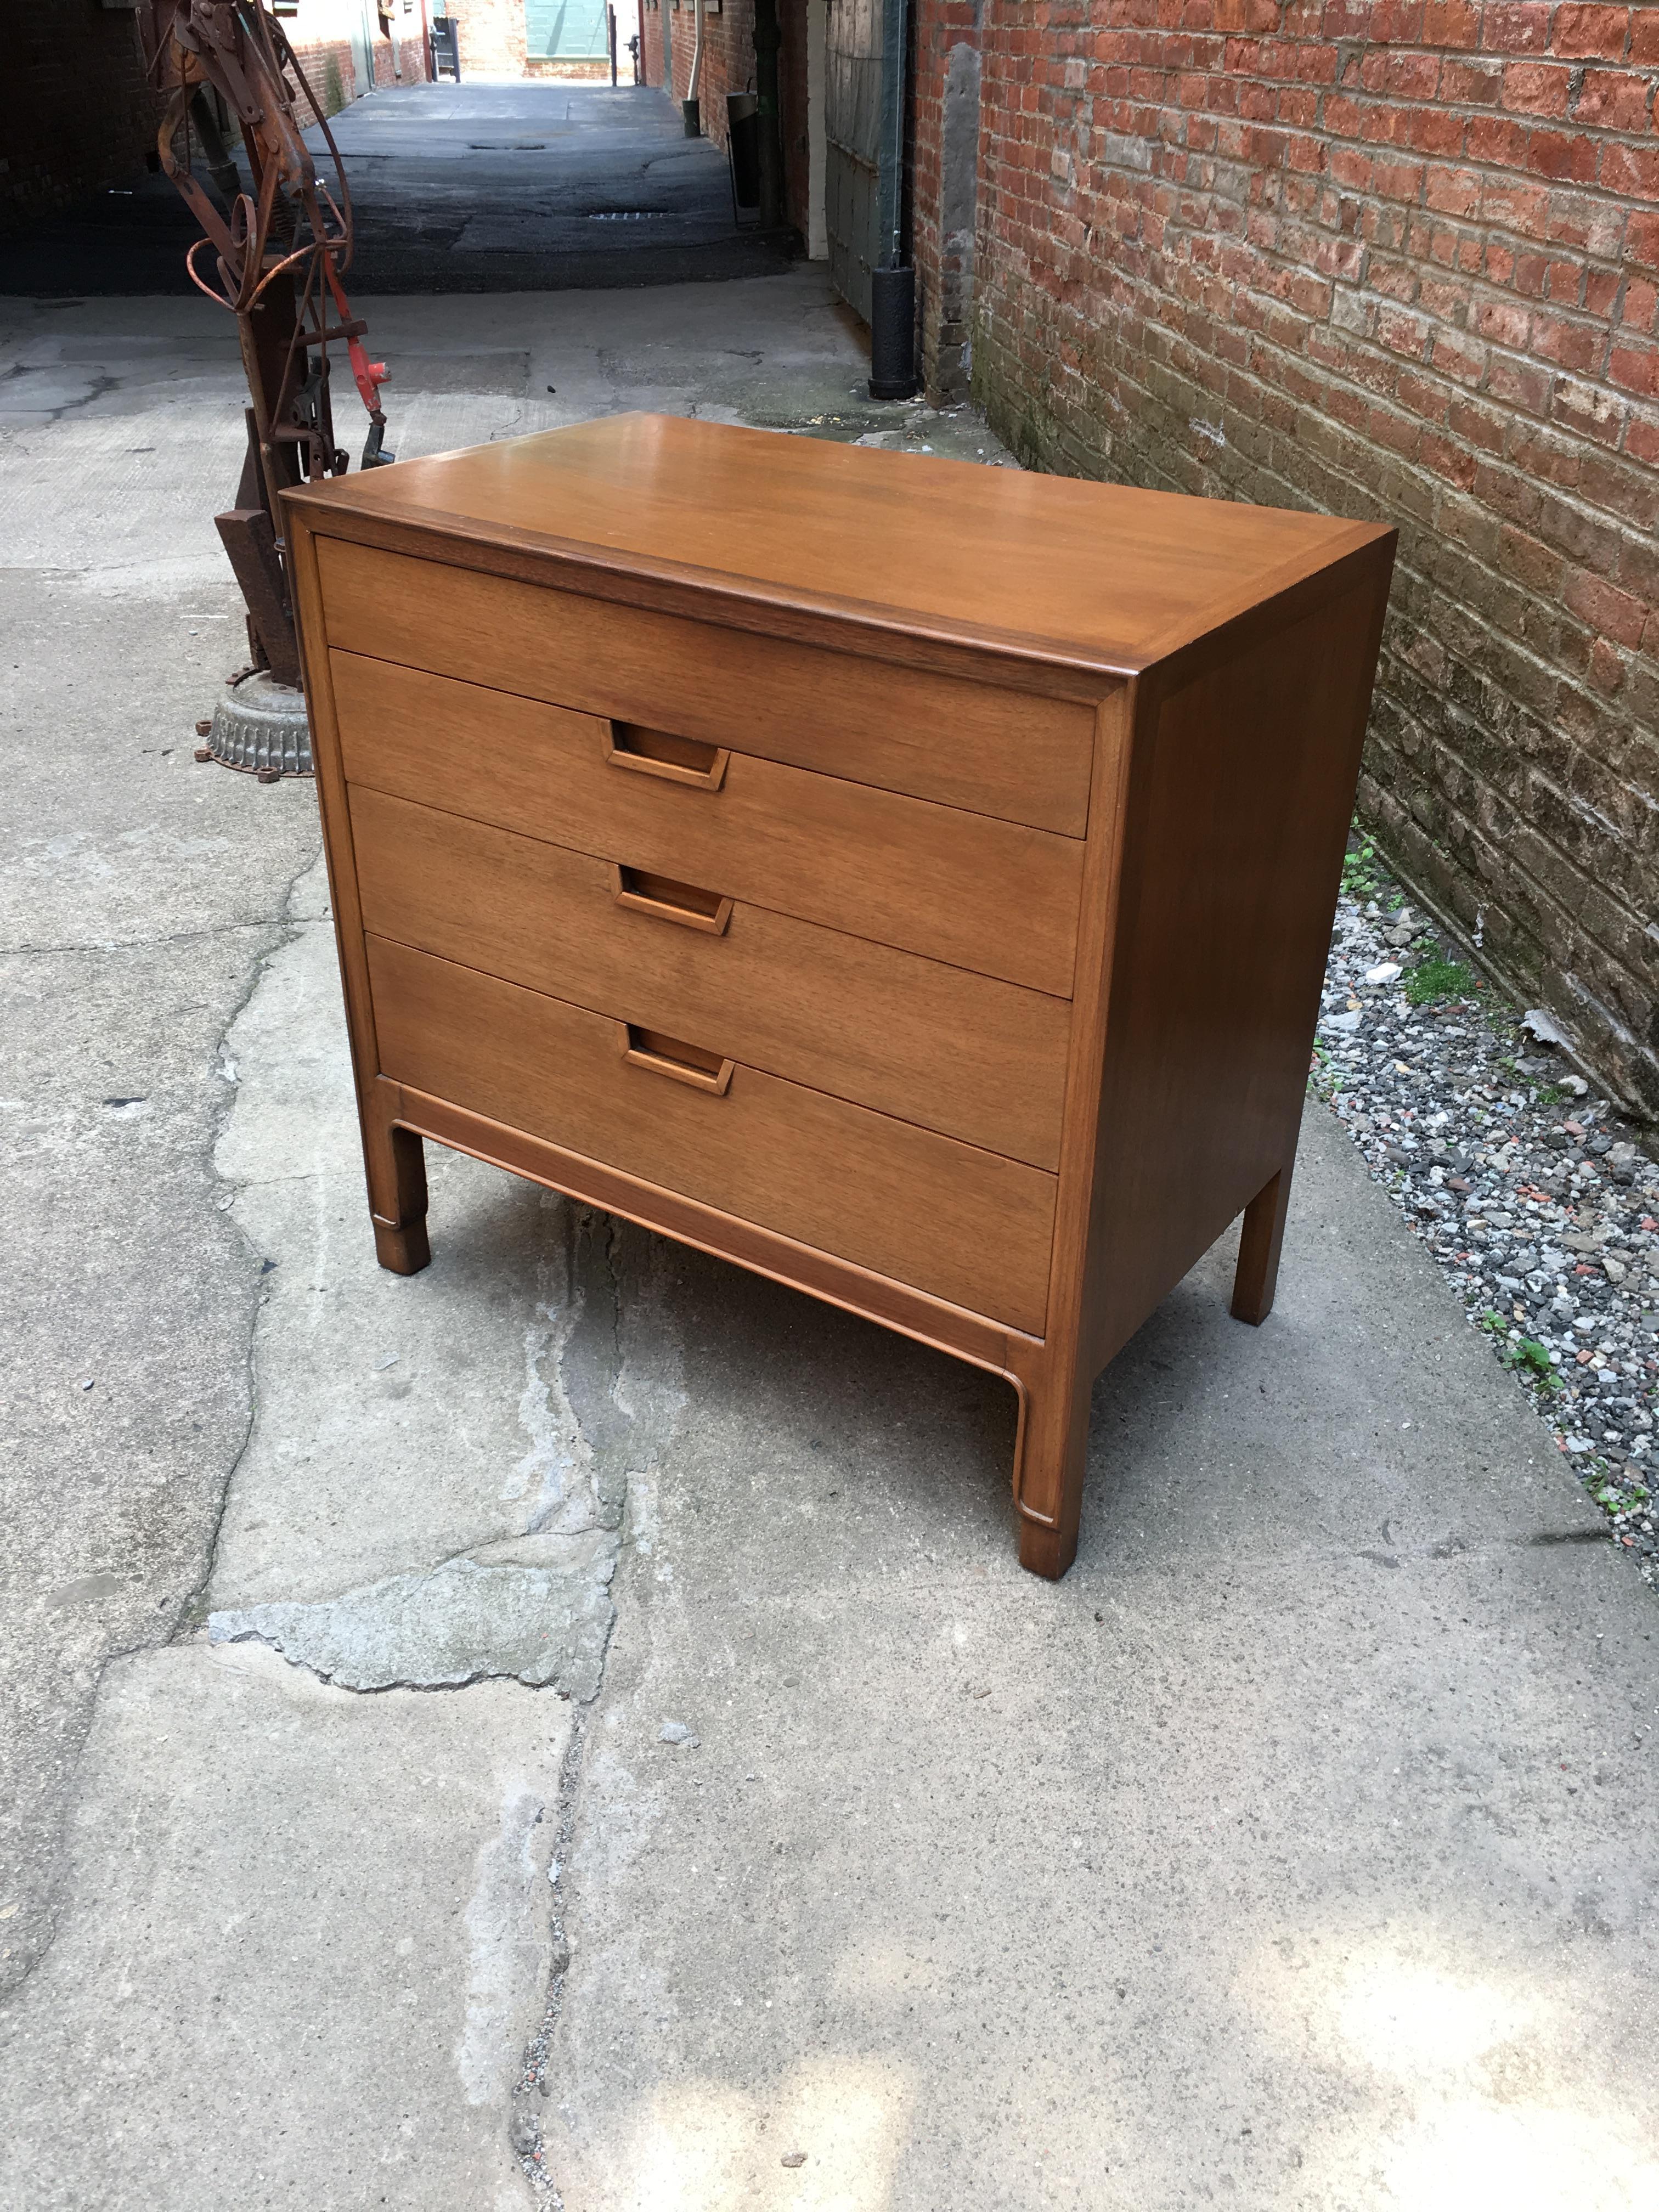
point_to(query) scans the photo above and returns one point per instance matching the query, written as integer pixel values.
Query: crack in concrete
(147, 943)
(192, 1612)
(97, 385)
(533, 2079)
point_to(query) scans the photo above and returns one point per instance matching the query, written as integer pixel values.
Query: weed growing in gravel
(1524, 1353)
(1621, 1497)
(1362, 879)
(1435, 979)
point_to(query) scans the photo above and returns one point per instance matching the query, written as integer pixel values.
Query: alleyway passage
(458, 188)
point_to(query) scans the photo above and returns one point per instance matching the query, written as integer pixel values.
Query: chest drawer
(963, 1053)
(984, 747)
(980, 893)
(964, 1225)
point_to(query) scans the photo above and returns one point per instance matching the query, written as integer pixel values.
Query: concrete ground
(1298, 1850)
(457, 188)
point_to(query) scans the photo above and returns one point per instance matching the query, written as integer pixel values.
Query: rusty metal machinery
(273, 256)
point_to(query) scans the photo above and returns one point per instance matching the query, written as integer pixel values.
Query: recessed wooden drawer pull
(668, 1055)
(668, 901)
(687, 761)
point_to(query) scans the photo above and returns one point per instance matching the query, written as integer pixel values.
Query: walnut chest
(906, 879)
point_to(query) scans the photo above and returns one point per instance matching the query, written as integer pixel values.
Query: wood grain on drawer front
(991, 895)
(979, 746)
(965, 1225)
(978, 1059)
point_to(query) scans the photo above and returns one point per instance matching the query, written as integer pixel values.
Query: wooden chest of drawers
(908, 880)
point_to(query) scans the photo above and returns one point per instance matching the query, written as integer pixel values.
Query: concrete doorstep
(585, 1738)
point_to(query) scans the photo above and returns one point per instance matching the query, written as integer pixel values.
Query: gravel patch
(1539, 1202)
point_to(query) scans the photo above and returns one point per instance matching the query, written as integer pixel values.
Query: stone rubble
(1539, 1202)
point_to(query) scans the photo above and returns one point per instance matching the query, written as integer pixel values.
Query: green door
(566, 30)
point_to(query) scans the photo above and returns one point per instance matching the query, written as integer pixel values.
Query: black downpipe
(768, 38)
(893, 281)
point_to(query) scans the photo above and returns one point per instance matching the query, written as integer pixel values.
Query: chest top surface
(1103, 576)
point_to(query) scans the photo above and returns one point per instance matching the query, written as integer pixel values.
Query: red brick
(1614, 99)
(1562, 154)
(1516, 26)
(1471, 84)
(1588, 225)
(1398, 180)
(1587, 32)
(1458, 356)
(1478, 424)
(1496, 139)
(1504, 324)
(1635, 368)
(1609, 610)
(1450, 23)
(1449, 463)
(1529, 561)
(1601, 291)
(1434, 130)
(1573, 345)
(1454, 191)
(1421, 396)
(1634, 170)
(1515, 203)
(1536, 88)
(1523, 384)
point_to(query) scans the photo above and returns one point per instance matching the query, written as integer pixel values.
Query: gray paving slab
(254, 1857)
(1298, 1850)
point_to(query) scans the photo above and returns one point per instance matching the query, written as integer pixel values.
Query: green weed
(1523, 1355)
(1361, 877)
(1532, 1358)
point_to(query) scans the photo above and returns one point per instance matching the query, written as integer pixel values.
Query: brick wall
(78, 111)
(409, 66)
(330, 69)
(728, 56)
(728, 65)
(1397, 259)
(492, 37)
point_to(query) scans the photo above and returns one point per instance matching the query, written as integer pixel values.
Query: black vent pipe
(893, 281)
